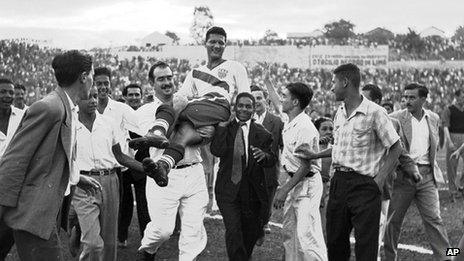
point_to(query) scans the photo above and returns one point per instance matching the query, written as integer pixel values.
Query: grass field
(412, 234)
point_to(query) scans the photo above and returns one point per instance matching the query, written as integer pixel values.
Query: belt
(184, 166)
(99, 172)
(344, 169)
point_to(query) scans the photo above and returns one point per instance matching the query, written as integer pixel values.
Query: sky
(87, 23)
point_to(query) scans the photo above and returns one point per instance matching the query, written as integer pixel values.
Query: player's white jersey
(227, 79)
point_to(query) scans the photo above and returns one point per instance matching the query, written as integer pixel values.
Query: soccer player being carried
(202, 102)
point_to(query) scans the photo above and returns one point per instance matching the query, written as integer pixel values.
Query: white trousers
(187, 194)
(302, 227)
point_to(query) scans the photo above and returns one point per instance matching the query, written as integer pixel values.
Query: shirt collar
(248, 122)
(425, 114)
(362, 107)
(71, 103)
(297, 119)
(14, 110)
(98, 121)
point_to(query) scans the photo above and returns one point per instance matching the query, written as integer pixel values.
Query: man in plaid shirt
(365, 152)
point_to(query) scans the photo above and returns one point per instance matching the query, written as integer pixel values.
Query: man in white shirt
(210, 89)
(132, 94)
(98, 155)
(301, 194)
(9, 120)
(186, 194)
(420, 136)
(124, 117)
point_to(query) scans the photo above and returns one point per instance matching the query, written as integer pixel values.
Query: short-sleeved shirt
(227, 79)
(299, 133)
(94, 148)
(363, 138)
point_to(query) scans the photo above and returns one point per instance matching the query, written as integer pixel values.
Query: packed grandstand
(29, 64)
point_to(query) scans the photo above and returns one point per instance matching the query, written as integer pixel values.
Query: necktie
(239, 151)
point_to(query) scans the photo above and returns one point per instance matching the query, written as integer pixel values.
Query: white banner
(329, 57)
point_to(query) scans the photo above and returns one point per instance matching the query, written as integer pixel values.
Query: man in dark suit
(37, 168)
(274, 125)
(244, 149)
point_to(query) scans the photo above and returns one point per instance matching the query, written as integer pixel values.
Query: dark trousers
(243, 227)
(6, 240)
(33, 248)
(127, 204)
(354, 202)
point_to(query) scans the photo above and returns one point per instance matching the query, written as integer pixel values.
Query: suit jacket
(404, 118)
(34, 171)
(274, 125)
(222, 146)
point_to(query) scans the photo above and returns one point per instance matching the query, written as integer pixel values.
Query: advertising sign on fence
(326, 56)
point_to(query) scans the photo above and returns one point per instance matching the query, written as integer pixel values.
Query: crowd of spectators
(30, 65)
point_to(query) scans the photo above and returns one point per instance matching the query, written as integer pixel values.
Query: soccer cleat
(156, 141)
(156, 170)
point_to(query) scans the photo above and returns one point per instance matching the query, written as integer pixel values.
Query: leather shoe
(157, 171)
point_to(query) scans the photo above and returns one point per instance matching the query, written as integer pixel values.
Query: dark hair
(254, 88)
(6, 81)
(102, 71)
(215, 30)
(321, 120)
(389, 104)
(69, 66)
(374, 91)
(350, 72)
(160, 64)
(458, 93)
(245, 95)
(19, 86)
(132, 85)
(302, 92)
(423, 91)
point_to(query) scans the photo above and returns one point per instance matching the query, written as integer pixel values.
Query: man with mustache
(186, 194)
(420, 136)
